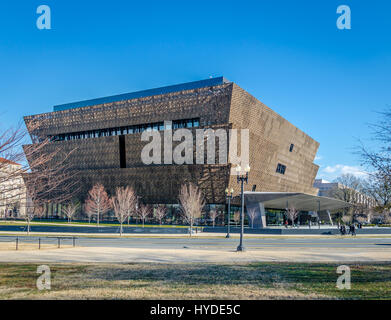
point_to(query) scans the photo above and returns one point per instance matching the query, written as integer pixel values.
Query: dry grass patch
(195, 281)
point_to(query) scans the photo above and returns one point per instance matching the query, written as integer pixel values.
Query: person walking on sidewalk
(353, 229)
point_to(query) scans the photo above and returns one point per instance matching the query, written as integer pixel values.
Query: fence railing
(38, 241)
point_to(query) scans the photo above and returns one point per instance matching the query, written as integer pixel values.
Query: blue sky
(288, 54)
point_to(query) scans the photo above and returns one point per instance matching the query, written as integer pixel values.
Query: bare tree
(144, 211)
(29, 214)
(213, 214)
(378, 162)
(369, 215)
(50, 178)
(88, 213)
(361, 219)
(192, 203)
(160, 213)
(133, 211)
(292, 214)
(70, 209)
(236, 217)
(378, 186)
(11, 153)
(387, 218)
(350, 190)
(98, 202)
(45, 178)
(347, 219)
(252, 213)
(123, 202)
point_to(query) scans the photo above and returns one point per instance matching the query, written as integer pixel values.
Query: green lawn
(92, 224)
(196, 281)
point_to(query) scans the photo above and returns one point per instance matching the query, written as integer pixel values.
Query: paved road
(213, 250)
(107, 230)
(220, 243)
(207, 244)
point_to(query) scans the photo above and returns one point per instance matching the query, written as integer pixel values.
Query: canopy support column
(331, 220)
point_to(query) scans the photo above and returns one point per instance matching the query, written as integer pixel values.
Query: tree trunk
(120, 232)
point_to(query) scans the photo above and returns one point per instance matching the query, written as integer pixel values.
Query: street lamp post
(138, 197)
(242, 178)
(318, 213)
(228, 196)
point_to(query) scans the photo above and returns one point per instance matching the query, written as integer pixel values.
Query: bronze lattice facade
(105, 135)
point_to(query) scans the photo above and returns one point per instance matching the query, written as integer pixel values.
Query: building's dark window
(122, 152)
(291, 147)
(281, 168)
(176, 124)
(180, 124)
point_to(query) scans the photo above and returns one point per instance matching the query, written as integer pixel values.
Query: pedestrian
(286, 223)
(353, 230)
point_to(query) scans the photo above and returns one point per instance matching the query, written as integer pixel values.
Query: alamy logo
(44, 281)
(344, 20)
(44, 20)
(343, 281)
(160, 149)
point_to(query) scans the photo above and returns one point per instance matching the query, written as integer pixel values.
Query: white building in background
(326, 190)
(12, 189)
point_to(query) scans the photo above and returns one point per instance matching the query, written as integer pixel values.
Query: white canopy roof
(300, 201)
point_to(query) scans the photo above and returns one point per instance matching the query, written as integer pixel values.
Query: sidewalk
(132, 255)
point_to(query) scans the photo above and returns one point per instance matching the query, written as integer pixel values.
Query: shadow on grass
(369, 281)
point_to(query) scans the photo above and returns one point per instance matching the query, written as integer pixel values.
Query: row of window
(158, 126)
(281, 168)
